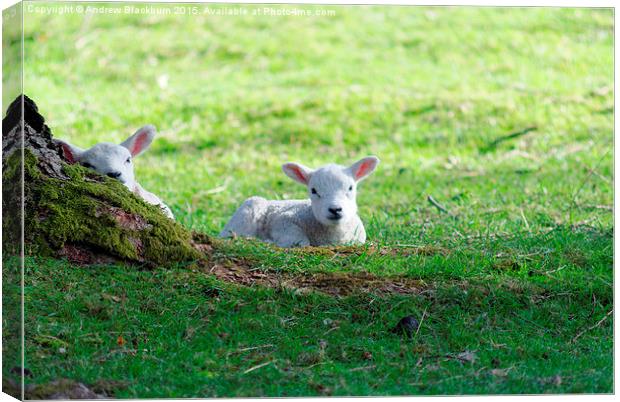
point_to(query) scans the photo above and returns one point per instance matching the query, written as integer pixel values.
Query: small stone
(62, 351)
(467, 356)
(406, 326)
(499, 372)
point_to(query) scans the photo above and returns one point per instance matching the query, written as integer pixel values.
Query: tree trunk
(73, 212)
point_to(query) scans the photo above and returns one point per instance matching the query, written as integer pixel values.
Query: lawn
(504, 116)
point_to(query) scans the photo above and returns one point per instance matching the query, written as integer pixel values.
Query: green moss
(11, 209)
(78, 212)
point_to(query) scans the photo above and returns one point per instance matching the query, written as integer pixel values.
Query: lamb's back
(276, 214)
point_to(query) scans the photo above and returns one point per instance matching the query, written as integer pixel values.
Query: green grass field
(515, 279)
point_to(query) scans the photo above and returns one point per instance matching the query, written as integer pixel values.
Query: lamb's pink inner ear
(363, 169)
(66, 149)
(300, 175)
(139, 143)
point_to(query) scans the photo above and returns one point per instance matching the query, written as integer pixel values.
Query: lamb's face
(111, 160)
(332, 192)
(332, 188)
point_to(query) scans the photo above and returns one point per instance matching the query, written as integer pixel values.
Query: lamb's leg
(286, 234)
(153, 199)
(244, 220)
(167, 210)
(359, 233)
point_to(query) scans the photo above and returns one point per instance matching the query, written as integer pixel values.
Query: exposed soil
(240, 272)
(79, 255)
(342, 284)
(243, 272)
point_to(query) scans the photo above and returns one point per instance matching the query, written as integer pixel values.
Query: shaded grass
(517, 268)
(199, 336)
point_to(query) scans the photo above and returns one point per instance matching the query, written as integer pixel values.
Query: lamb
(329, 217)
(116, 161)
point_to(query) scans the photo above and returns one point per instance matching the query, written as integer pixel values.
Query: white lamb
(329, 217)
(116, 161)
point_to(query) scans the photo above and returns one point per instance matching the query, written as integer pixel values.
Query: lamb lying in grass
(329, 217)
(116, 161)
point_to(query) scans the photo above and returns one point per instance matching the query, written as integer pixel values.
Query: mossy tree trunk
(73, 212)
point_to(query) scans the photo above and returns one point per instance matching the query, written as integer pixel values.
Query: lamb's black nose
(336, 212)
(114, 175)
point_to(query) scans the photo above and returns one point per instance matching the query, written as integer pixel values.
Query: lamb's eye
(87, 165)
(351, 188)
(314, 192)
(128, 160)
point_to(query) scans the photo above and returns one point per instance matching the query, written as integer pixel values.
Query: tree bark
(73, 212)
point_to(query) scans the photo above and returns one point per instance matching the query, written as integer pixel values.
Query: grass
(522, 275)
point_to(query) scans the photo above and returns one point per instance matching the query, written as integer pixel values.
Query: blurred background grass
(425, 89)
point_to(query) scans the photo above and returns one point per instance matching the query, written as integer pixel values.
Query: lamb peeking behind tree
(329, 217)
(116, 161)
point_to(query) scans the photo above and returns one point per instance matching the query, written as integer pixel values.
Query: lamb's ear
(140, 140)
(297, 172)
(72, 153)
(362, 168)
